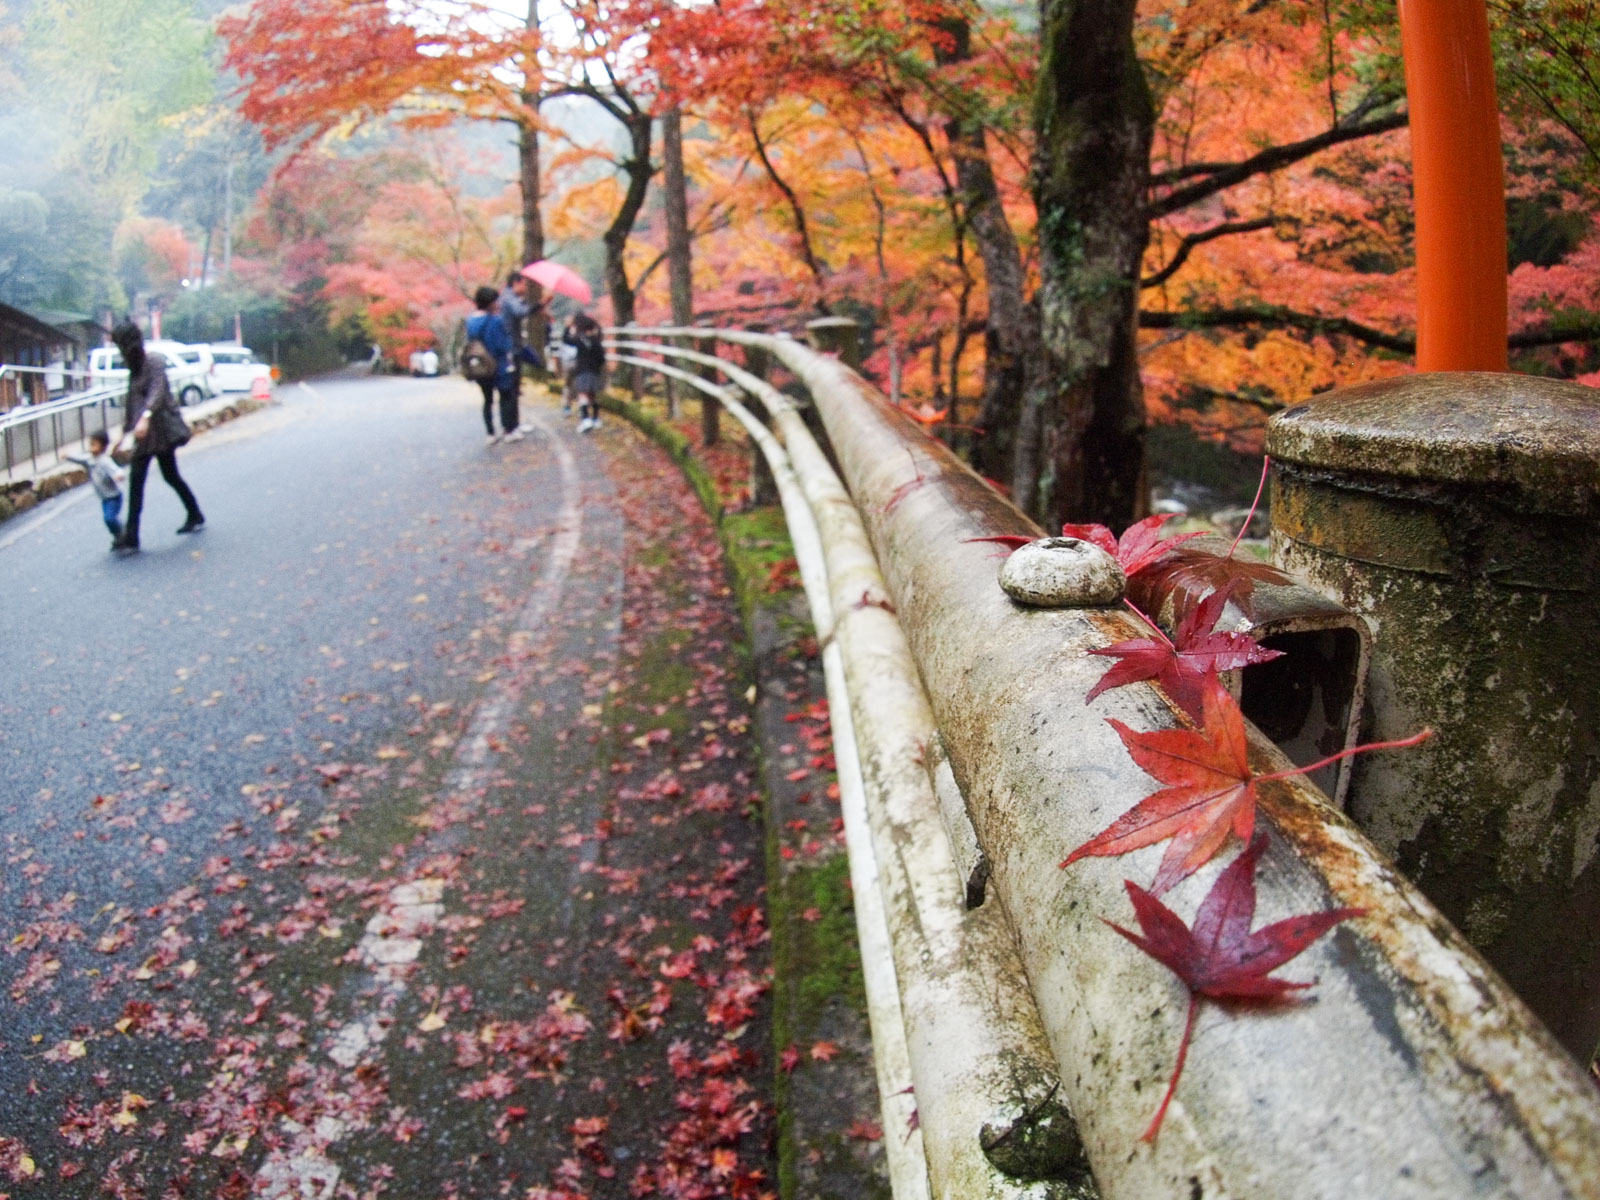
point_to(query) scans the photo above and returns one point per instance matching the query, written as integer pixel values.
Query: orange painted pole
(1458, 179)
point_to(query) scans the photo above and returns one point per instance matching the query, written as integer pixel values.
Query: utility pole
(227, 215)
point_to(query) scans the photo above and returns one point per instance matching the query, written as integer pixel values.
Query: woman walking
(154, 428)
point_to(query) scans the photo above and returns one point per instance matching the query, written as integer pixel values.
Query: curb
(827, 1108)
(17, 498)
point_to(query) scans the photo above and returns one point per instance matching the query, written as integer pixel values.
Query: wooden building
(26, 341)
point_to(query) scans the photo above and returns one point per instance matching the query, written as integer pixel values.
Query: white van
(236, 367)
(188, 369)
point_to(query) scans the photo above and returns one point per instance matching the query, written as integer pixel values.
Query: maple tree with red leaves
(1264, 243)
(1219, 957)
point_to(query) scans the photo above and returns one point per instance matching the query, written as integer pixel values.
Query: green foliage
(108, 72)
(1545, 51)
(88, 85)
(207, 156)
(24, 216)
(66, 262)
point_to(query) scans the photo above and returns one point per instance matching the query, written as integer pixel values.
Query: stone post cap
(1538, 436)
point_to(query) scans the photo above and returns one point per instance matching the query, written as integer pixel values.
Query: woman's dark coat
(148, 391)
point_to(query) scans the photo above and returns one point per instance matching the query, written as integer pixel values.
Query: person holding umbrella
(563, 281)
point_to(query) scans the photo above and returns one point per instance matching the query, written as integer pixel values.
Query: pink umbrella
(562, 280)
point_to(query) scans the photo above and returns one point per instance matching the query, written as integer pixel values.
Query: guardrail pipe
(1411, 1071)
(988, 1098)
(903, 1151)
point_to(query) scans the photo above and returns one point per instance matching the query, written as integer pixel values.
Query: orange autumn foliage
(822, 175)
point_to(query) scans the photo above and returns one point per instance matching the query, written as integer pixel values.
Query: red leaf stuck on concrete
(1210, 788)
(1140, 545)
(1181, 665)
(1220, 958)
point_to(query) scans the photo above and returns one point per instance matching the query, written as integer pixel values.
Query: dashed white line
(393, 940)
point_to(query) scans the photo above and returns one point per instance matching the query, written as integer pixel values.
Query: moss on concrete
(823, 951)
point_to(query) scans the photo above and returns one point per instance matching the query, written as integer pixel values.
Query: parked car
(201, 382)
(188, 368)
(236, 367)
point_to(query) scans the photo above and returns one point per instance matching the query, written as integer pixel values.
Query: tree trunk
(638, 170)
(1010, 327)
(677, 214)
(532, 223)
(679, 263)
(528, 157)
(532, 184)
(1080, 445)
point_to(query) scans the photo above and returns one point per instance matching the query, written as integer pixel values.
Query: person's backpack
(477, 363)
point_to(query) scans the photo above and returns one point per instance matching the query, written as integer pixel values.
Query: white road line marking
(393, 941)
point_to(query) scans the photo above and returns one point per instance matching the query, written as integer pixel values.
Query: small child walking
(106, 477)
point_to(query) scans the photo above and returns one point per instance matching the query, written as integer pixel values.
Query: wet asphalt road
(301, 819)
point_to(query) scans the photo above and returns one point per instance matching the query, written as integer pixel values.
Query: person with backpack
(487, 361)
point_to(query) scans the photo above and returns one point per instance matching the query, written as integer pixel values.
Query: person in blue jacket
(488, 327)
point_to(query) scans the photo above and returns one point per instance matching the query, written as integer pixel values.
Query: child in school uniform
(106, 478)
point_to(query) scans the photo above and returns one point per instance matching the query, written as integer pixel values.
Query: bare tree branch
(795, 208)
(1276, 317)
(1220, 176)
(1555, 335)
(1190, 241)
(1280, 318)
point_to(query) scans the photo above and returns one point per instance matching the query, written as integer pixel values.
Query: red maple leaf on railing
(1220, 958)
(1210, 790)
(1180, 665)
(1140, 547)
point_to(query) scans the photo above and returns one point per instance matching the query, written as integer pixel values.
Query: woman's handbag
(174, 429)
